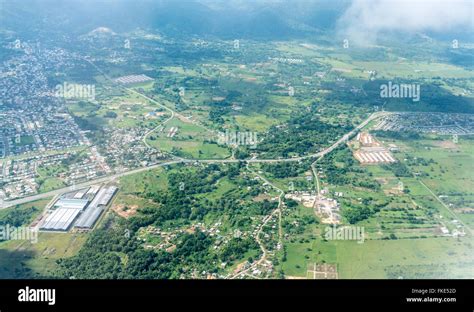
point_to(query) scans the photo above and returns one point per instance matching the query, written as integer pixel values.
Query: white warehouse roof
(72, 203)
(61, 219)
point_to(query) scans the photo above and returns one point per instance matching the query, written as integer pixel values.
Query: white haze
(364, 20)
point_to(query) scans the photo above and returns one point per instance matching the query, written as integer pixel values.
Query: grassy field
(414, 258)
(27, 258)
(39, 204)
(51, 184)
(189, 140)
(26, 140)
(344, 65)
(23, 259)
(421, 250)
(450, 176)
(144, 182)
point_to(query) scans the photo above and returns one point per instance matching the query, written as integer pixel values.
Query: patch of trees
(236, 249)
(110, 114)
(405, 135)
(291, 203)
(87, 123)
(190, 183)
(303, 135)
(299, 226)
(18, 217)
(216, 113)
(285, 169)
(346, 172)
(419, 161)
(357, 214)
(75, 158)
(399, 169)
(242, 153)
(262, 208)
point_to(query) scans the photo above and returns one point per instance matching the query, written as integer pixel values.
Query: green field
(26, 140)
(148, 181)
(185, 216)
(380, 259)
(24, 259)
(190, 141)
(29, 258)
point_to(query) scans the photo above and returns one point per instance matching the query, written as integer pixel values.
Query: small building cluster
(438, 123)
(370, 151)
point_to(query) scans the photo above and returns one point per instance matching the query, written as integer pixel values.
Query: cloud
(365, 19)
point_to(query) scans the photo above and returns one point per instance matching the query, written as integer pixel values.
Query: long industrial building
(89, 217)
(66, 212)
(78, 212)
(72, 203)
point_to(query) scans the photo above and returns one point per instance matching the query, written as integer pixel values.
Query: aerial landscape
(206, 139)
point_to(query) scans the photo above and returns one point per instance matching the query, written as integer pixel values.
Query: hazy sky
(365, 19)
(361, 21)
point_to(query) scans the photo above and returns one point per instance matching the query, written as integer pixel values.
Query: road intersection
(345, 138)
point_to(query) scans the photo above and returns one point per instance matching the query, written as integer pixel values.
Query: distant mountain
(236, 19)
(245, 19)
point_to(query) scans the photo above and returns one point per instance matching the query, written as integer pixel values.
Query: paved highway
(178, 160)
(345, 138)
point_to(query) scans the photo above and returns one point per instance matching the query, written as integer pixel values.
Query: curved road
(346, 137)
(178, 160)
